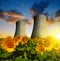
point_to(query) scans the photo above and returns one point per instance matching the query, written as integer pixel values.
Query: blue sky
(24, 7)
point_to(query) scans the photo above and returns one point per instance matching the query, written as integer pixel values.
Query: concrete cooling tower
(39, 28)
(20, 28)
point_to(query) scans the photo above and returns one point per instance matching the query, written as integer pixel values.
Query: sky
(24, 7)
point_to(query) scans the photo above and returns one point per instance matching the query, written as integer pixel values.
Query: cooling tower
(20, 28)
(39, 28)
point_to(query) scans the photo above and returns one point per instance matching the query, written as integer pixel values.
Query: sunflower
(40, 49)
(9, 45)
(48, 44)
(58, 50)
(57, 46)
(40, 40)
(17, 40)
(24, 40)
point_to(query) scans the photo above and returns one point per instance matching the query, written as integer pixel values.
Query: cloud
(32, 11)
(57, 13)
(50, 21)
(1, 11)
(12, 20)
(1, 14)
(14, 13)
(39, 8)
(13, 16)
(29, 21)
(58, 19)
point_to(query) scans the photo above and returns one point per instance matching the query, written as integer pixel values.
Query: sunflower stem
(25, 56)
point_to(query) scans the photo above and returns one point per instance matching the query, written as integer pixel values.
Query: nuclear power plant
(20, 28)
(39, 28)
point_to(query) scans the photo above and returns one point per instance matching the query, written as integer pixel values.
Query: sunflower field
(29, 49)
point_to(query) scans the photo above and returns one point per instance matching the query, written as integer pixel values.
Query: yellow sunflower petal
(48, 44)
(24, 40)
(9, 44)
(40, 49)
(17, 40)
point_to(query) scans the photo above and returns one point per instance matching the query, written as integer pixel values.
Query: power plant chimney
(20, 28)
(39, 28)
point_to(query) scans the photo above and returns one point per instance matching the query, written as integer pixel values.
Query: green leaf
(49, 60)
(25, 55)
(30, 59)
(21, 49)
(41, 58)
(10, 60)
(44, 55)
(7, 60)
(35, 60)
(25, 59)
(33, 51)
(28, 48)
(4, 55)
(19, 58)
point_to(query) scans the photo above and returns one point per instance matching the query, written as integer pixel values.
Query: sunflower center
(10, 45)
